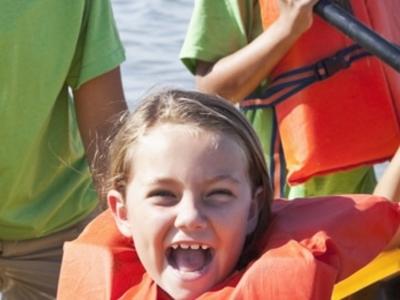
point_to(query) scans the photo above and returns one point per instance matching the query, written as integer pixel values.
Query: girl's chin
(182, 285)
(185, 293)
(187, 277)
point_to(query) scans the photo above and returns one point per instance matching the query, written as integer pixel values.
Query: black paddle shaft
(358, 32)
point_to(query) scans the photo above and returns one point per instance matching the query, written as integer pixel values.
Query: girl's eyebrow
(161, 180)
(210, 180)
(223, 177)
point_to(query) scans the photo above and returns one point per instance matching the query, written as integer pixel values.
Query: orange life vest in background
(310, 245)
(335, 103)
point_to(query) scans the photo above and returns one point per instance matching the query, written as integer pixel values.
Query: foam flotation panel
(311, 244)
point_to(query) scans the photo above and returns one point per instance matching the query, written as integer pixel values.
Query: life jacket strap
(277, 164)
(293, 81)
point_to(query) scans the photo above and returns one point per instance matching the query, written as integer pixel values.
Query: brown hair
(205, 112)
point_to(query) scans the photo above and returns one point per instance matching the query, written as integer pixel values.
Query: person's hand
(296, 14)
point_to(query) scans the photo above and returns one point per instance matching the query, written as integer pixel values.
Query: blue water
(152, 32)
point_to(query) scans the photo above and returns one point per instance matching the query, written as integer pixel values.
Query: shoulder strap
(289, 83)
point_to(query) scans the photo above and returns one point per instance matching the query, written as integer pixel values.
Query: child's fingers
(297, 14)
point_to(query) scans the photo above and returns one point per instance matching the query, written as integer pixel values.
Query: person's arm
(389, 187)
(98, 103)
(237, 75)
(389, 184)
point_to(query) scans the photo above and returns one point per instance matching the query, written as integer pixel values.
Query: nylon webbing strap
(291, 82)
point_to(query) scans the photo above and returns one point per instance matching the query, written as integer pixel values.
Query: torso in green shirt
(48, 47)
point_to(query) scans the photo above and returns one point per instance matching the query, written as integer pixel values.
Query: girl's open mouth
(189, 258)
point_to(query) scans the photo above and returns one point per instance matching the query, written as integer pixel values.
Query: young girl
(189, 189)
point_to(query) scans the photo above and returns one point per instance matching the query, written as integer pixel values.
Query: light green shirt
(46, 47)
(221, 27)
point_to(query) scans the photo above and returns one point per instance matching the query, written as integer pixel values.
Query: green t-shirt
(47, 48)
(219, 28)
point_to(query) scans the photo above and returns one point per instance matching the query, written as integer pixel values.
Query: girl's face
(189, 206)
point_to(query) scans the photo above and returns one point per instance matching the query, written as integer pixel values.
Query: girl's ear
(252, 219)
(118, 208)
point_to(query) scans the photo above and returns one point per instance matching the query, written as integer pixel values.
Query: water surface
(152, 32)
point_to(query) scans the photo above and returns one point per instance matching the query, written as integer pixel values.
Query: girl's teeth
(191, 246)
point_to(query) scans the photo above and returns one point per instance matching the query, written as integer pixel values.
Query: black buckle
(329, 66)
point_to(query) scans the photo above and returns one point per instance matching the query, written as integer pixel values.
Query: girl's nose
(189, 215)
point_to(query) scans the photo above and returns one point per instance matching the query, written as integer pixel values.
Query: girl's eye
(220, 196)
(161, 193)
(162, 197)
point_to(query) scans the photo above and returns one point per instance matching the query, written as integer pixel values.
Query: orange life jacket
(310, 245)
(335, 104)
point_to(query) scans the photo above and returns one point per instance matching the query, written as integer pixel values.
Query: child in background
(189, 188)
(232, 56)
